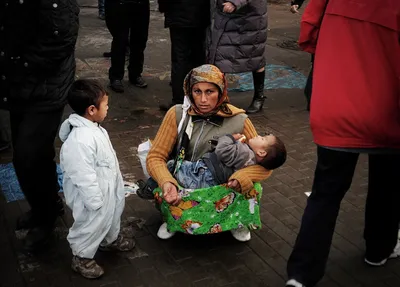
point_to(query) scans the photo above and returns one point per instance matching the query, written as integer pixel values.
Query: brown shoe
(121, 244)
(88, 268)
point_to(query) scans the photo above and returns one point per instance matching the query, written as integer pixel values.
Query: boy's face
(260, 144)
(99, 114)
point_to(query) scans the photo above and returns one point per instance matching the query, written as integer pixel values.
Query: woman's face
(205, 96)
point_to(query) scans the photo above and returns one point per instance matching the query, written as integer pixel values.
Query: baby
(231, 153)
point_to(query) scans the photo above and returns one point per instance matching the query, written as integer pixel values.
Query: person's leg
(138, 40)
(33, 141)
(180, 63)
(117, 20)
(5, 137)
(198, 51)
(259, 97)
(333, 177)
(382, 213)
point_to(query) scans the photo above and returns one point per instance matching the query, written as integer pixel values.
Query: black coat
(37, 44)
(185, 13)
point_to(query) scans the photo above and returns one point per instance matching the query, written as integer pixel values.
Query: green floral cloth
(211, 210)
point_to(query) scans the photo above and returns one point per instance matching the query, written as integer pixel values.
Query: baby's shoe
(88, 268)
(121, 244)
(163, 232)
(241, 234)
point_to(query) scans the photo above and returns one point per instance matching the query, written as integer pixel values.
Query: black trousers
(33, 137)
(187, 52)
(333, 177)
(127, 20)
(308, 87)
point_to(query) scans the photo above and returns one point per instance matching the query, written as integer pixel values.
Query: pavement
(216, 260)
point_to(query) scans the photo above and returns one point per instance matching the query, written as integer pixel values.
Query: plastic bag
(143, 150)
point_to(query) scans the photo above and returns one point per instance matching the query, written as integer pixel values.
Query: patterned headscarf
(208, 74)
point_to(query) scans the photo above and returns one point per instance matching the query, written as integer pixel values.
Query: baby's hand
(294, 9)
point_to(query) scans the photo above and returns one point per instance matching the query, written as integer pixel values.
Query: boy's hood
(74, 121)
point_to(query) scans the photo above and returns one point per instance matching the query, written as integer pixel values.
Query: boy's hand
(237, 136)
(294, 9)
(170, 193)
(229, 7)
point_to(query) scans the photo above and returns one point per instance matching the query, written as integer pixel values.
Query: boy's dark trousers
(33, 135)
(127, 18)
(333, 177)
(187, 52)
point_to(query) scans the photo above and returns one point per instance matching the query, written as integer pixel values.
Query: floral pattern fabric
(211, 210)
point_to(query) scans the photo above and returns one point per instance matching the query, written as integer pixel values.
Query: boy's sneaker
(294, 283)
(88, 268)
(395, 254)
(241, 234)
(163, 232)
(122, 244)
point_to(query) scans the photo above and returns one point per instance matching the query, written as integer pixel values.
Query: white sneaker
(241, 234)
(294, 283)
(395, 254)
(163, 232)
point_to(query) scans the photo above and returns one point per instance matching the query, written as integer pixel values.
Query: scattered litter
(308, 193)
(130, 188)
(137, 253)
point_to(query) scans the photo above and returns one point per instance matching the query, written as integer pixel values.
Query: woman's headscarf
(208, 74)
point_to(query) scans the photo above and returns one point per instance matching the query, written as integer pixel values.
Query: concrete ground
(200, 261)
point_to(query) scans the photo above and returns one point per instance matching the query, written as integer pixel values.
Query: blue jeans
(193, 175)
(101, 7)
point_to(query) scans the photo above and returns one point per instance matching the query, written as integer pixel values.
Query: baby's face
(261, 143)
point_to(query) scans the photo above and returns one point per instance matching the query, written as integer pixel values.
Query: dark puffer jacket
(37, 44)
(237, 41)
(185, 13)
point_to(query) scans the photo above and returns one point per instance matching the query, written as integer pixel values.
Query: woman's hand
(234, 184)
(229, 7)
(294, 9)
(170, 193)
(237, 136)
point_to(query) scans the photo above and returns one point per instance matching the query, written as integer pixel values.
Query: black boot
(259, 98)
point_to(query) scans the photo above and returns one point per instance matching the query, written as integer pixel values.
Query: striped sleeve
(161, 148)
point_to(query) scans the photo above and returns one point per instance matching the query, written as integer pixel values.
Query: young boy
(231, 153)
(92, 182)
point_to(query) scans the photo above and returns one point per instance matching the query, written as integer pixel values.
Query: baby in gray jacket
(231, 153)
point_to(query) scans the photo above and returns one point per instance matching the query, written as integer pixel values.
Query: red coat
(356, 86)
